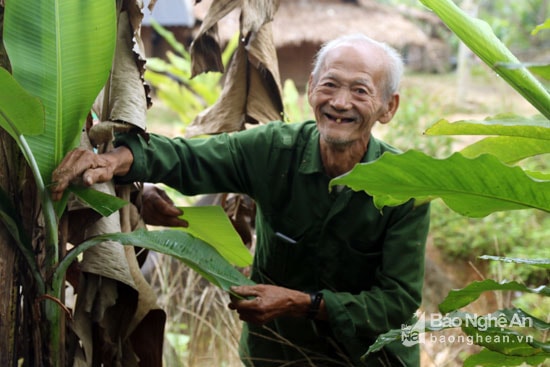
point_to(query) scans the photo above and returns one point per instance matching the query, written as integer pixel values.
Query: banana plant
(37, 42)
(61, 55)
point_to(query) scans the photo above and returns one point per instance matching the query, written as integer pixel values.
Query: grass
(200, 330)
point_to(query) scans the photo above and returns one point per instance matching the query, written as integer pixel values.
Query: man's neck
(338, 160)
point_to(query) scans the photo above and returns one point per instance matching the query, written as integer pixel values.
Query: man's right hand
(159, 210)
(88, 168)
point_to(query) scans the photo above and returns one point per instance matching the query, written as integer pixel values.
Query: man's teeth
(338, 121)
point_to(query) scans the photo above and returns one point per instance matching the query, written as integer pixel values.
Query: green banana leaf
(506, 342)
(195, 253)
(63, 64)
(20, 112)
(60, 52)
(101, 202)
(536, 127)
(462, 297)
(490, 331)
(211, 224)
(508, 149)
(540, 69)
(519, 137)
(540, 263)
(472, 187)
(489, 358)
(480, 38)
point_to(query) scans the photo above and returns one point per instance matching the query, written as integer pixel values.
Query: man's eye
(329, 85)
(361, 91)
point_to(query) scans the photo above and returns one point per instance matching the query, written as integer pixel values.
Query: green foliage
(63, 64)
(514, 234)
(197, 254)
(296, 106)
(417, 110)
(211, 224)
(45, 114)
(10, 219)
(503, 16)
(171, 79)
(510, 337)
(488, 358)
(20, 112)
(42, 64)
(459, 298)
(479, 37)
(395, 178)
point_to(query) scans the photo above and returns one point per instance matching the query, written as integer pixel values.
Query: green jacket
(369, 264)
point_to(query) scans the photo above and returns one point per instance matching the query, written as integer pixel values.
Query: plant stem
(52, 311)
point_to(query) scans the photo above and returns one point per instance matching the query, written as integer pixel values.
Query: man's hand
(159, 210)
(88, 168)
(269, 302)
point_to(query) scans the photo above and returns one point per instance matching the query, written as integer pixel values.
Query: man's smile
(340, 119)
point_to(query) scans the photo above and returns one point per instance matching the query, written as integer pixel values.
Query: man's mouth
(340, 119)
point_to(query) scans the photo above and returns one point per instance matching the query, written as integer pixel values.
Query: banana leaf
(536, 127)
(541, 263)
(211, 224)
(480, 38)
(62, 64)
(192, 251)
(20, 112)
(489, 358)
(472, 187)
(60, 52)
(462, 297)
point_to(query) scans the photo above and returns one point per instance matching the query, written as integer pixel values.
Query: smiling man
(333, 272)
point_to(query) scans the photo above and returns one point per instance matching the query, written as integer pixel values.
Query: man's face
(348, 96)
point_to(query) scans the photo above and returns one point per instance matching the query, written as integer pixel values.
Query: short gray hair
(395, 61)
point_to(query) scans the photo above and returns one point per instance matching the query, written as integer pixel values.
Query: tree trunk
(8, 270)
(20, 320)
(8, 254)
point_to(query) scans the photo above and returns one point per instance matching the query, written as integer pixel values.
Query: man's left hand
(268, 303)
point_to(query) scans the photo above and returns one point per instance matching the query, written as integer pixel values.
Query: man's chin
(337, 140)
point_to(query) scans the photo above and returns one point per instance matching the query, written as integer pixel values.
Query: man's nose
(341, 99)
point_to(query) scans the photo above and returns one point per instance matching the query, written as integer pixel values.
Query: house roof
(318, 21)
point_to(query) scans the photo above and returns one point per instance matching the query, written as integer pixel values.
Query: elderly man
(333, 272)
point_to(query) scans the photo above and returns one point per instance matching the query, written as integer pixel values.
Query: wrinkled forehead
(356, 58)
(360, 51)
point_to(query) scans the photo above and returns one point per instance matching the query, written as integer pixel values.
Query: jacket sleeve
(197, 166)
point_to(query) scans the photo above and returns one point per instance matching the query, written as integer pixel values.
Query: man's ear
(309, 87)
(391, 109)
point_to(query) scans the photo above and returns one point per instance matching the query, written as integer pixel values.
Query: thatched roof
(321, 21)
(318, 21)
